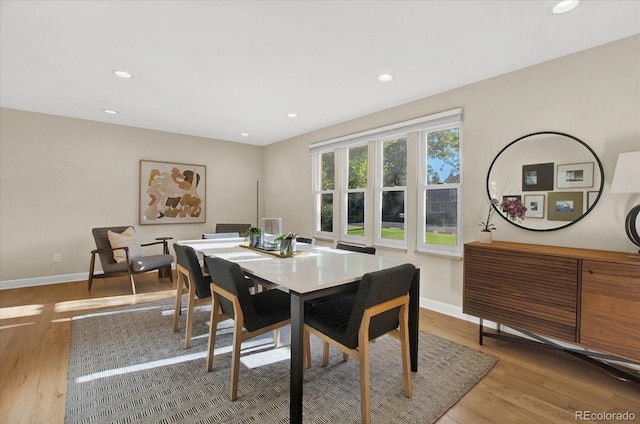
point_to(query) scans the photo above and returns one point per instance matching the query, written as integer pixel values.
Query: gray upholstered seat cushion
(148, 263)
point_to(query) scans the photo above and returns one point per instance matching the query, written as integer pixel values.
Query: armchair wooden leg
(215, 318)
(133, 283)
(191, 299)
(92, 265)
(178, 308)
(235, 359)
(404, 343)
(307, 350)
(363, 350)
(325, 354)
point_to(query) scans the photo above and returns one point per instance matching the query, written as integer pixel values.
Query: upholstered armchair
(120, 254)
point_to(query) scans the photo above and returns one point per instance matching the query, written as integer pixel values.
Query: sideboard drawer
(610, 308)
(529, 291)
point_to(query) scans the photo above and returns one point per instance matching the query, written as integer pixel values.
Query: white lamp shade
(626, 178)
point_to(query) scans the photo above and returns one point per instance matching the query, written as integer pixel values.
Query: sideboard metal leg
(480, 333)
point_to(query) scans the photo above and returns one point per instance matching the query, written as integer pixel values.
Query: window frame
(318, 192)
(344, 195)
(379, 188)
(423, 186)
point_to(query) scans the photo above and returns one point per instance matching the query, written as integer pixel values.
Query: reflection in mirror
(555, 176)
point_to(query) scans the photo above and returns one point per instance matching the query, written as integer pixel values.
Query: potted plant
(255, 236)
(287, 243)
(485, 233)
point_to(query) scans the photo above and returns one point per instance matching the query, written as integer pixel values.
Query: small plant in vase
(287, 243)
(255, 236)
(485, 233)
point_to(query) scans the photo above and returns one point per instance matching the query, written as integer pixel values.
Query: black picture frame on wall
(537, 177)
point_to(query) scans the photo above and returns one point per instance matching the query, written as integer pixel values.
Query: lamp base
(630, 225)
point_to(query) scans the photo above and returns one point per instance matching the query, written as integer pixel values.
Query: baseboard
(43, 281)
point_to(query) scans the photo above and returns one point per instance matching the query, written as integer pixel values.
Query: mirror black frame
(589, 209)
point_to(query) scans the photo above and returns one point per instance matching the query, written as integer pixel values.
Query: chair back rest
(374, 289)
(220, 235)
(230, 277)
(232, 228)
(187, 257)
(370, 250)
(102, 242)
(308, 240)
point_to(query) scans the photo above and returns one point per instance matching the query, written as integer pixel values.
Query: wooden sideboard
(590, 298)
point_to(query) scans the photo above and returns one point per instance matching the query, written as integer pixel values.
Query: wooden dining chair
(257, 314)
(349, 323)
(191, 278)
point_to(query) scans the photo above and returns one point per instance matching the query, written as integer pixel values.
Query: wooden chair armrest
(109, 250)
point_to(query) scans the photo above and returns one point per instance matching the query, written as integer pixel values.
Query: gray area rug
(126, 365)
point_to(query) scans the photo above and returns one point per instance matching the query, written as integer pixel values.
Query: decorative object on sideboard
(626, 179)
(525, 168)
(485, 235)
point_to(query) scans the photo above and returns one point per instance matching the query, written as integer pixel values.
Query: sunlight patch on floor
(20, 311)
(248, 346)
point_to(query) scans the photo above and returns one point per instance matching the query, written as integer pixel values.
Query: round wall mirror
(555, 176)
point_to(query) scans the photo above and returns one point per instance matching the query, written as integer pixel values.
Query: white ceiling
(216, 69)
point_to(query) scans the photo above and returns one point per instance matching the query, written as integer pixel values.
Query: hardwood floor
(527, 385)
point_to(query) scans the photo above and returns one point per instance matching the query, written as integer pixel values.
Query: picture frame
(575, 175)
(565, 205)
(535, 205)
(537, 177)
(171, 193)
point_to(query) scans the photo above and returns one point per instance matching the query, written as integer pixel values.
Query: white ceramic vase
(485, 237)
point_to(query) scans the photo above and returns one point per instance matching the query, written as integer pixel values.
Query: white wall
(60, 177)
(593, 95)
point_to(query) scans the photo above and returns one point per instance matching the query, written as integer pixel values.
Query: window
(440, 191)
(391, 191)
(374, 205)
(354, 193)
(324, 182)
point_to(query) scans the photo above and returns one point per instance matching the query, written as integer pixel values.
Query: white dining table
(314, 271)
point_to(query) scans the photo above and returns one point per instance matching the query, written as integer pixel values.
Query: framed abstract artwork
(171, 193)
(575, 175)
(537, 177)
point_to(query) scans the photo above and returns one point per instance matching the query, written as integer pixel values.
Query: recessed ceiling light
(122, 74)
(110, 111)
(292, 115)
(385, 77)
(244, 134)
(564, 6)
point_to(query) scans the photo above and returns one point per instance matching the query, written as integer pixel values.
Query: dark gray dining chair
(190, 277)
(129, 254)
(258, 313)
(370, 250)
(308, 240)
(349, 323)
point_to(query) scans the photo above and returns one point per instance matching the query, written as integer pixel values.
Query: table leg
(297, 356)
(414, 319)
